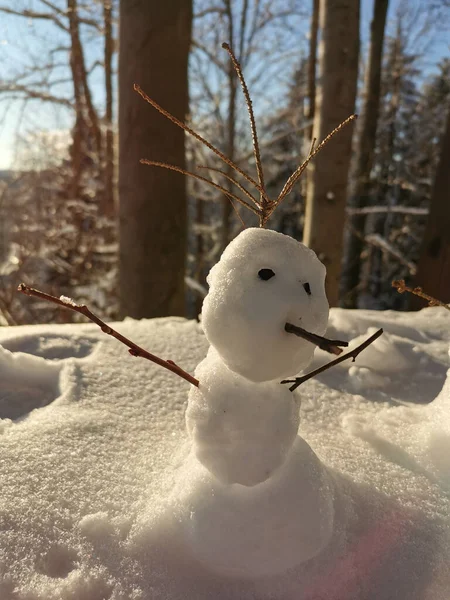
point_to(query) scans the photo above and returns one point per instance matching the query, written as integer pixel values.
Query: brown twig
(265, 207)
(230, 178)
(237, 67)
(313, 152)
(331, 346)
(156, 163)
(353, 354)
(401, 287)
(197, 136)
(134, 349)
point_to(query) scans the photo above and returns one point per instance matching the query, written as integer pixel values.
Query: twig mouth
(331, 346)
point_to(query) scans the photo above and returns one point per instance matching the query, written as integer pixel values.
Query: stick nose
(331, 346)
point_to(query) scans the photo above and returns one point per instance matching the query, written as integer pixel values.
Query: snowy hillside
(100, 497)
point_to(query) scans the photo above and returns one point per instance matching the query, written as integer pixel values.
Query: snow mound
(229, 528)
(416, 437)
(27, 383)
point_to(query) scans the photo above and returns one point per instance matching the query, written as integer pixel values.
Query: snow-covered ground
(101, 498)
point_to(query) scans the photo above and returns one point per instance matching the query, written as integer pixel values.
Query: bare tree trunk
(327, 186)
(77, 50)
(77, 148)
(365, 154)
(433, 271)
(108, 207)
(374, 276)
(154, 47)
(313, 35)
(230, 123)
(312, 76)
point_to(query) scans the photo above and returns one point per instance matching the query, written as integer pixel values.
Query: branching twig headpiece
(263, 207)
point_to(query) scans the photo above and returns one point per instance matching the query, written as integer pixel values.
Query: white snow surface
(102, 496)
(244, 316)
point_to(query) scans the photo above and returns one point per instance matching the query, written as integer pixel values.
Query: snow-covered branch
(372, 210)
(376, 239)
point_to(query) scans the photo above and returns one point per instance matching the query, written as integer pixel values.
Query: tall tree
(73, 29)
(110, 188)
(390, 235)
(312, 60)
(327, 186)
(230, 129)
(365, 153)
(154, 46)
(434, 263)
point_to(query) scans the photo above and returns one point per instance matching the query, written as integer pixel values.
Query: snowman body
(243, 424)
(242, 430)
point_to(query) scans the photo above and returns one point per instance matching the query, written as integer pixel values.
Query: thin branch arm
(134, 349)
(353, 354)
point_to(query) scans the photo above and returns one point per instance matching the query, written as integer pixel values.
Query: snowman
(257, 499)
(262, 501)
(253, 498)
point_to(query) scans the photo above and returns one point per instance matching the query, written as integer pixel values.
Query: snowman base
(246, 532)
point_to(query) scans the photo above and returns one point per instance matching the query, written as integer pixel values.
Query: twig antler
(353, 354)
(401, 287)
(237, 67)
(134, 349)
(264, 207)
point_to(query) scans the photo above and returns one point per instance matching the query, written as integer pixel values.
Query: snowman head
(262, 281)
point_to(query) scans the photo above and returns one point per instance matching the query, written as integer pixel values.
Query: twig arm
(134, 349)
(353, 354)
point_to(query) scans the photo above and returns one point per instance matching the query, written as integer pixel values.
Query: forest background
(81, 216)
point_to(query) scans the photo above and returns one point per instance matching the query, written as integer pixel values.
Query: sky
(24, 42)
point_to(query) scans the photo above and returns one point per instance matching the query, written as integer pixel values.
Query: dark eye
(307, 288)
(265, 274)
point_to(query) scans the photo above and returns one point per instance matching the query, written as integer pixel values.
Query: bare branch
(265, 205)
(34, 94)
(236, 183)
(298, 172)
(377, 240)
(353, 354)
(155, 163)
(31, 14)
(401, 287)
(248, 101)
(209, 11)
(212, 57)
(198, 137)
(134, 349)
(404, 210)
